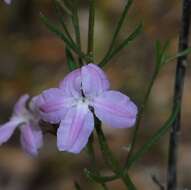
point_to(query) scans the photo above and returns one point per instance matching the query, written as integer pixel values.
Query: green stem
(109, 158)
(59, 9)
(90, 49)
(120, 23)
(116, 33)
(139, 118)
(75, 21)
(92, 157)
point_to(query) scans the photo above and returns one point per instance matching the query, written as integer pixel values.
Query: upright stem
(139, 118)
(75, 20)
(90, 49)
(92, 157)
(178, 92)
(110, 159)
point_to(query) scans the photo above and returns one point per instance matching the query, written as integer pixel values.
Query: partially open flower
(26, 119)
(83, 93)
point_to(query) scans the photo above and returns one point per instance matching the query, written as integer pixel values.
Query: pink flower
(27, 121)
(8, 1)
(83, 92)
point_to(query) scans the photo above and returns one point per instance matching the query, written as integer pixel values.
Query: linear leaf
(64, 7)
(98, 178)
(70, 60)
(61, 35)
(180, 54)
(109, 158)
(124, 44)
(60, 16)
(117, 30)
(154, 139)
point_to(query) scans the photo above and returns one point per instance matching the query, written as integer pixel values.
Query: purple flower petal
(94, 80)
(31, 139)
(53, 104)
(7, 130)
(71, 85)
(115, 109)
(20, 106)
(75, 129)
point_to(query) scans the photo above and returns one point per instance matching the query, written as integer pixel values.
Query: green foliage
(63, 7)
(110, 159)
(70, 60)
(70, 8)
(160, 51)
(70, 44)
(98, 178)
(136, 32)
(178, 55)
(154, 139)
(162, 57)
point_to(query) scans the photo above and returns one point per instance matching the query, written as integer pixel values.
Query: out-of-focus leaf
(117, 30)
(109, 158)
(63, 7)
(161, 54)
(62, 35)
(98, 178)
(120, 22)
(68, 4)
(180, 54)
(124, 44)
(60, 16)
(131, 37)
(70, 60)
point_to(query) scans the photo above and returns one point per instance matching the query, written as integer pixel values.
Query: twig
(178, 92)
(157, 182)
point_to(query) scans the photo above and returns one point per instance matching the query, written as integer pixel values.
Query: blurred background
(32, 59)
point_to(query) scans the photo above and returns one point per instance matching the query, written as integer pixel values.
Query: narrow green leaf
(68, 4)
(129, 39)
(56, 30)
(60, 16)
(154, 139)
(64, 7)
(107, 154)
(117, 30)
(76, 25)
(61, 35)
(158, 53)
(110, 159)
(124, 44)
(120, 22)
(180, 54)
(70, 60)
(161, 54)
(164, 52)
(98, 178)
